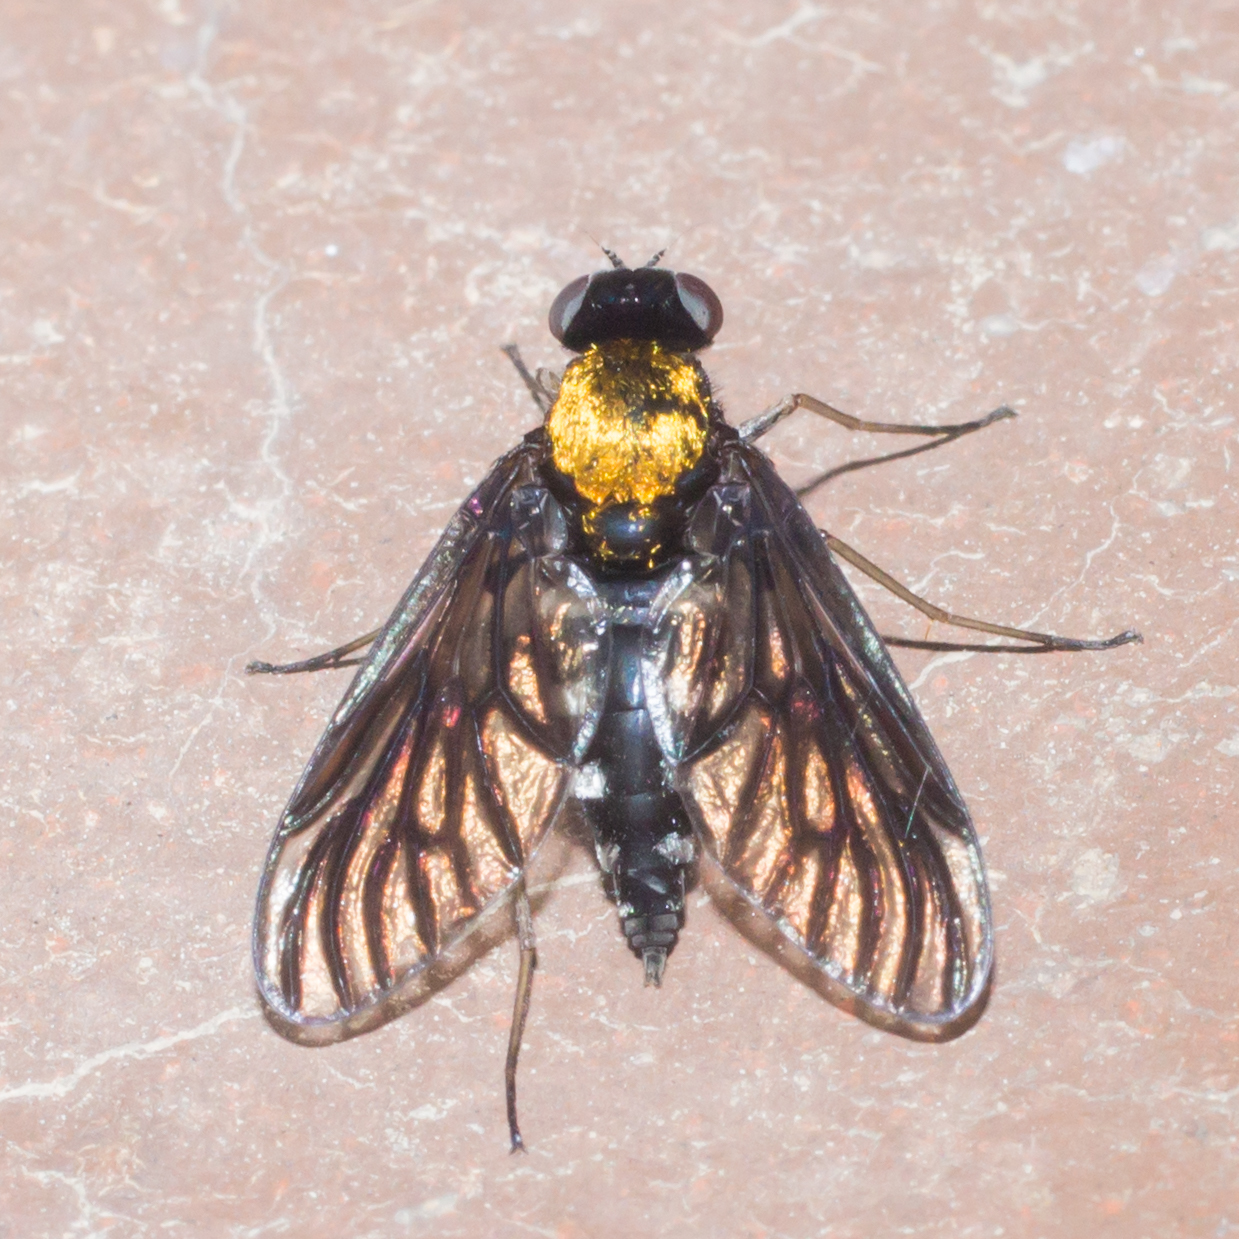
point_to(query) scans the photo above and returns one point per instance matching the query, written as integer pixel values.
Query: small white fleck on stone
(1225, 238)
(999, 325)
(1085, 155)
(1095, 876)
(1157, 275)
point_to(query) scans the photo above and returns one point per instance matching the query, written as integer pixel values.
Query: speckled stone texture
(258, 263)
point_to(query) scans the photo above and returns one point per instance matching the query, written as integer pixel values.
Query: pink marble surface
(258, 262)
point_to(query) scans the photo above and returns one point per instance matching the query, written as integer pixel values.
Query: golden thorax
(630, 419)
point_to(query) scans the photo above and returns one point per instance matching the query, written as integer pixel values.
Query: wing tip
(779, 942)
(379, 1007)
(947, 1023)
(486, 931)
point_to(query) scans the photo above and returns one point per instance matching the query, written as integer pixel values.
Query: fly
(632, 612)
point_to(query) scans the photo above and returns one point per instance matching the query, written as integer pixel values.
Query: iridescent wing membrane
(442, 769)
(819, 797)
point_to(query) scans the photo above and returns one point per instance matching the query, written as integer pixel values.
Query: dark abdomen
(641, 831)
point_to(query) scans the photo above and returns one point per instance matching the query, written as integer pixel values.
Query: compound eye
(698, 298)
(565, 306)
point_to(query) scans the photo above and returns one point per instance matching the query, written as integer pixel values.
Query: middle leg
(1046, 640)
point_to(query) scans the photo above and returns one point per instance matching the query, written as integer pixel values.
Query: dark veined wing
(441, 770)
(813, 782)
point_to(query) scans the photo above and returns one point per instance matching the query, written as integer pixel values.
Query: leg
(520, 1010)
(853, 465)
(549, 381)
(320, 662)
(757, 426)
(1046, 640)
(541, 397)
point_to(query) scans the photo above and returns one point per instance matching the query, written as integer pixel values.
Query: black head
(679, 311)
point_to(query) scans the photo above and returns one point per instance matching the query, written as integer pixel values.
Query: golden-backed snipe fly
(632, 613)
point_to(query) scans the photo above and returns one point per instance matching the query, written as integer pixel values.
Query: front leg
(757, 426)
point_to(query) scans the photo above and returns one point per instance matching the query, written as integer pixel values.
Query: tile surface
(258, 263)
